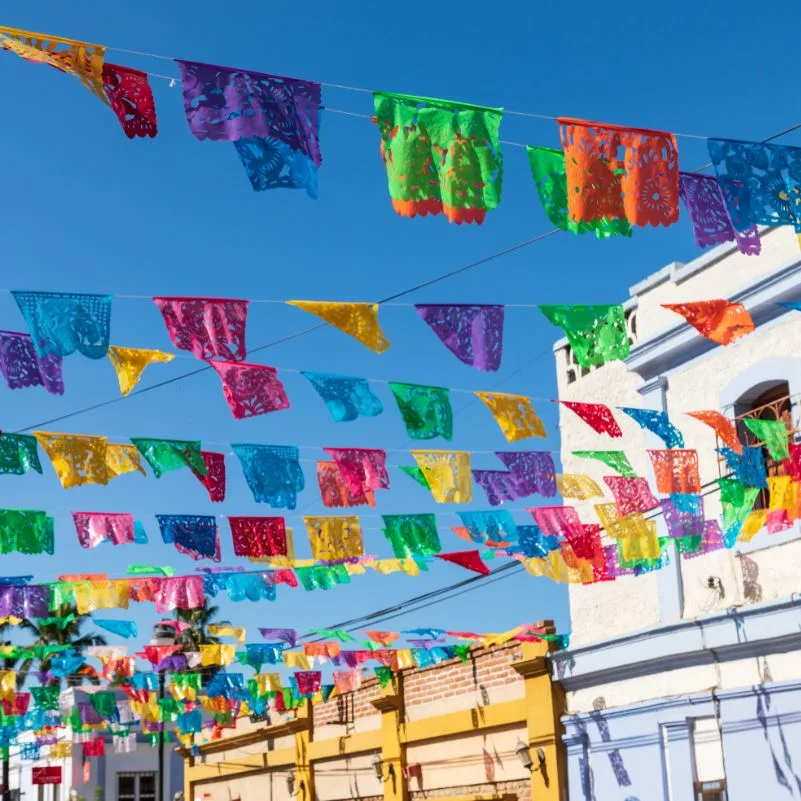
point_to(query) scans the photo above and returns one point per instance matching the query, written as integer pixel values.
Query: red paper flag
(94, 748)
(131, 99)
(335, 491)
(50, 775)
(385, 638)
(718, 320)
(259, 536)
(597, 416)
(470, 560)
(363, 469)
(214, 480)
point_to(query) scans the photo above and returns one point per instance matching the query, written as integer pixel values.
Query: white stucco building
(685, 683)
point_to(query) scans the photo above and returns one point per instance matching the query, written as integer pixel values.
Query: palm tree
(70, 633)
(191, 638)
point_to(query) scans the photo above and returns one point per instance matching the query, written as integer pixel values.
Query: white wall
(630, 604)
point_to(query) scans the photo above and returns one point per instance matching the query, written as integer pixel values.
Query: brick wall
(348, 708)
(520, 790)
(487, 668)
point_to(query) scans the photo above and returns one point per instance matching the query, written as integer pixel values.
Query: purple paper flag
(498, 485)
(703, 197)
(24, 602)
(22, 367)
(226, 104)
(474, 334)
(534, 471)
(289, 636)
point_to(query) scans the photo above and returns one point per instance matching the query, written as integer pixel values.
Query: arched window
(767, 401)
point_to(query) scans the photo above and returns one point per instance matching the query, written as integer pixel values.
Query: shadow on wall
(616, 760)
(763, 701)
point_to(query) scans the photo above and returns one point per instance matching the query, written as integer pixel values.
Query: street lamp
(162, 635)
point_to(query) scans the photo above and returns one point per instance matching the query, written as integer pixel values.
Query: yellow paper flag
(77, 458)
(8, 684)
(267, 683)
(130, 363)
(122, 458)
(335, 538)
(297, 659)
(638, 539)
(225, 630)
(217, 654)
(91, 595)
(448, 474)
(514, 414)
(752, 525)
(577, 486)
(359, 320)
(81, 59)
(61, 750)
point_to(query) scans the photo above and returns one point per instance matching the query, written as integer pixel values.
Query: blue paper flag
(272, 164)
(190, 722)
(761, 183)
(656, 422)
(250, 586)
(145, 681)
(124, 628)
(495, 525)
(61, 323)
(534, 544)
(194, 535)
(273, 473)
(65, 665)
(748, 467)
(347, 397)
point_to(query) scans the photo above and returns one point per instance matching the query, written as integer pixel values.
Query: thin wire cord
(364, 90)
(289, 337)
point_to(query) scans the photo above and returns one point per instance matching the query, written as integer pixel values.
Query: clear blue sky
(85, 209)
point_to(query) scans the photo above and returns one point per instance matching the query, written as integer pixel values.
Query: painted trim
(682, 343)
(769, 369)
(738, 633)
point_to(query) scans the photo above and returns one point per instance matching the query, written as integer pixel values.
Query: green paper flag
(384, 676)
(18, 454)
(548, 170)
(164, 455)
(417, 474)
(105, 704)
(25, 531)
(412, 535)
(462, 651)
(322, 578)
(773, 433)
(334, 634)
(617, 460)
(426, 411)
(60, 622)
(46, 697)
(736, 500)
(141, 570)
(597, 334)
(440, 156)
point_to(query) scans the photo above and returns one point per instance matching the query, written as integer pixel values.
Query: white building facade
(685, 683)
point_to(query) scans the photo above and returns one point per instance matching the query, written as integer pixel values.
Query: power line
(471, 265)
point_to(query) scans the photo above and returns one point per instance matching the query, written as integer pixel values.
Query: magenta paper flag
(474, 334)
(207, 327)
(597, 416)
(251, 389)
(178, 592)
(214, 480)
(362, 469)
(96, 527)
(308, 681)
(631, 494)
(558, 520)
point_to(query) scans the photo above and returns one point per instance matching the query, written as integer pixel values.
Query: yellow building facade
(488, 728)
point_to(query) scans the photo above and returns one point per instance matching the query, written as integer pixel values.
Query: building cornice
(739, 633)
(682, 343)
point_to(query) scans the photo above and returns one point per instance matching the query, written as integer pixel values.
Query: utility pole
(160, 795)
(6, 779)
